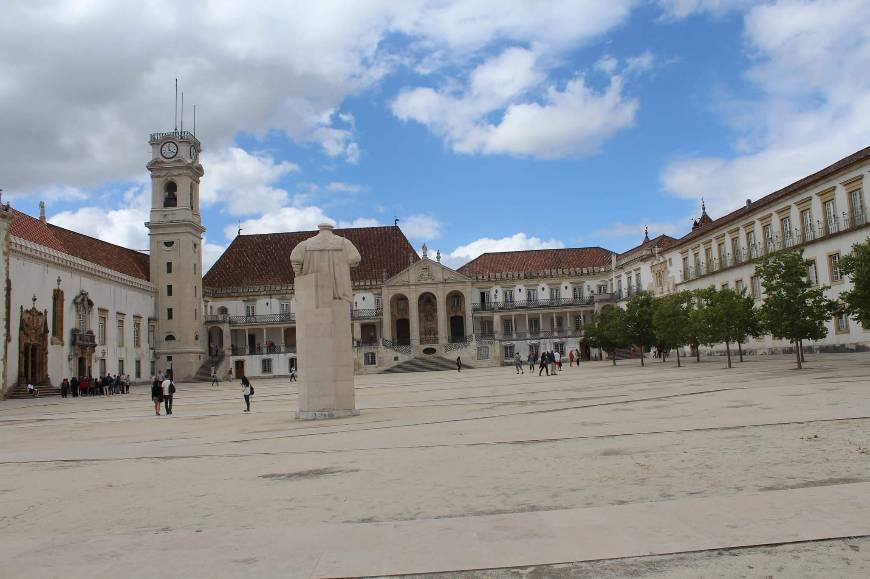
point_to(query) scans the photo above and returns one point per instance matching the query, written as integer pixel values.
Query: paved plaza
(757, 471)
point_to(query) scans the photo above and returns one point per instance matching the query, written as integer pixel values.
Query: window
(120, 332)
(560, 323)
(554, 293)
(834, 264)
(508, 298)
(755, 287)
(370, 359)
(830, 217)
(619, 286)
(738, 285)
(151, 333)
(750, 243)
(856, 204)
(379, 302)
(507, 327)
(138, 369)
(483, 352)
(120, 366)
(577, 292)
(602, 288)
(708, 258)
(807, 225)
(266, 365)
(168, 313)
(153, 368)
(724, 285)
(284, 307)
(137, 333)
(721, 250)
(841, 324)
(57, 313)
(83, 317)
(559, 347)
(578, 322)
(697, 263)
(508, 351)
(812, 272)
(250, 310)
(535, 325)
(168, 267)
(767, 233)
(486, 327)
(685, 268)
(785, 227)
(637, 281)
(101, 330)
(170, 337)
(102, 366)
(169, 290)
(532, 295)
(170, 197)
(534, 349)
(735, 249)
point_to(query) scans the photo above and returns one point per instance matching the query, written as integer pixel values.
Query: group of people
(547, 361)
(108, 385)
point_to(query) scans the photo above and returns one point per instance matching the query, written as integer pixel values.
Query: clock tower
(176, 232)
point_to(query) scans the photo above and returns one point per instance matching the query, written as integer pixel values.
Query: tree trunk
(728, 351)
(613, 356)
(797, 352)
(740, 349)
(678, 356)
(641, 355)
(802, 351)
(698, 353)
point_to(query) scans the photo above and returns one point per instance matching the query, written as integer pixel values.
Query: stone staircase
(204, 372)
(427, 364)
(20, 391)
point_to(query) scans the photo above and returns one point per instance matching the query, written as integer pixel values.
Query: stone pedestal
(323, 336)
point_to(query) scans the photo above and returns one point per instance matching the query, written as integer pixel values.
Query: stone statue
(324, 295)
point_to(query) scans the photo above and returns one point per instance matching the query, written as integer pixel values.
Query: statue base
(325, 414)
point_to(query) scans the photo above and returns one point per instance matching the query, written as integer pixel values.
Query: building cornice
(34, 250)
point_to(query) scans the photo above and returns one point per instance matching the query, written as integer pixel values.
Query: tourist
(32, 390)
(557, 361)
(214, 378)
(571, 358)
(74, 387)
(156, 394)
(532, 359)
(293, 374)
(168, 392)
(247, 392)
(64, 388)
(545, 360)
(127, 384)
(160, 376)
(518, 363)
(458, 364)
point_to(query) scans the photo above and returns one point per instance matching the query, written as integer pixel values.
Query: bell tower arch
(175, 230)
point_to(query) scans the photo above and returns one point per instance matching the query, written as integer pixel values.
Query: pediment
(426, 271)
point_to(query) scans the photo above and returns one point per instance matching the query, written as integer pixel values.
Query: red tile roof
(114, 257)
(264, 259)
(536, 261)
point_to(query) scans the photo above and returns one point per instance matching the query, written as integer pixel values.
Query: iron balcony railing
(261, 319)
(774, 243)
(530, 335)
(187, 135)
(261, 350)
(531, 304)
(85, 339)
(366, 313)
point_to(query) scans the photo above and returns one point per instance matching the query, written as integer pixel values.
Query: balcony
(282, 318)
(530, 335)
(184, 135)
(531, 304)
(366, 313)
(261, 350)
(84, 340)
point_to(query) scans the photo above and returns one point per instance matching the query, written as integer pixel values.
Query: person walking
(458, 364)
(156, 394)
(571, 358)
(518, 363)
(214, 378)
(545, 360)
(74, 387)
(557, 361)
(533, 358)
(64, 388)
(247, 392)
(293, 374)
(168, 392)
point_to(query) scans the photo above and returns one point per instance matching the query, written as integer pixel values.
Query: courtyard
(655, 471)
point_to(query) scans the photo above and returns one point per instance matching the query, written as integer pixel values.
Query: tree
(639, 321)
(671, 321)
(793, 309)
(857, 266)
(608, 330)
(731, 318)
(699, 327)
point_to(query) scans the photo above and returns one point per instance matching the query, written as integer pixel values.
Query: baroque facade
(75, 305)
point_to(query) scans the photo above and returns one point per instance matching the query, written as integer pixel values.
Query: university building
(75, 305)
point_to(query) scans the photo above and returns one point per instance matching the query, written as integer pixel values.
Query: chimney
(748, 202)
(42, 211)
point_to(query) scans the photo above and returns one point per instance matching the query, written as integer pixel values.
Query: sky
(480, 125)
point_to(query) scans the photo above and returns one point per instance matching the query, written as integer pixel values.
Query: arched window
(170, 199)
(170, 337)
(223, 311)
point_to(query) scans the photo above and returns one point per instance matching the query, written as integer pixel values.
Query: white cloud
(210, 253)
(810, 73)
(123, 226)
(635, 230)
(244, 181)
(517, 242)
(340, 187)
(280, 220)
(359, 222)
(421, 226)
(678, 9)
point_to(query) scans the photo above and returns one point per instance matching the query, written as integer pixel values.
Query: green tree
(731, 318)
(608, 330)
(699, 328)
(857, 266)
(639, 321)
(671, 321)
(793, 309)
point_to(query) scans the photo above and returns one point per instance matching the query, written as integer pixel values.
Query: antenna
(176, 103)
(182, 111)
(194, 120)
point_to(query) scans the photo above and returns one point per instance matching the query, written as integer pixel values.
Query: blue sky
(481, 125)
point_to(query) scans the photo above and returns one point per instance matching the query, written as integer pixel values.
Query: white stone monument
(324, 296)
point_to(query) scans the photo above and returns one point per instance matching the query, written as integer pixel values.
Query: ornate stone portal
(33, 346)
(323, 327)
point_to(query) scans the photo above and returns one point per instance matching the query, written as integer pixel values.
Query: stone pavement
(440, 472)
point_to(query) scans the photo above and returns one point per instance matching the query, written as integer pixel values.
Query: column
(443, 333)
(387, 319)
(414, 315)
(356, 331)
(264, 340)
(469, 320)
(496, 325)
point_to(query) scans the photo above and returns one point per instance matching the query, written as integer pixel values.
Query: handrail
(531, 304)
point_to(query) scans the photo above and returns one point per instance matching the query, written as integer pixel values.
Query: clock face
(193, 153)
(169, 150)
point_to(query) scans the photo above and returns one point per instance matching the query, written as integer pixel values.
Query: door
(240, 368)
(82, 368)
(403, 331)
(252, 344)
(457, 328)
